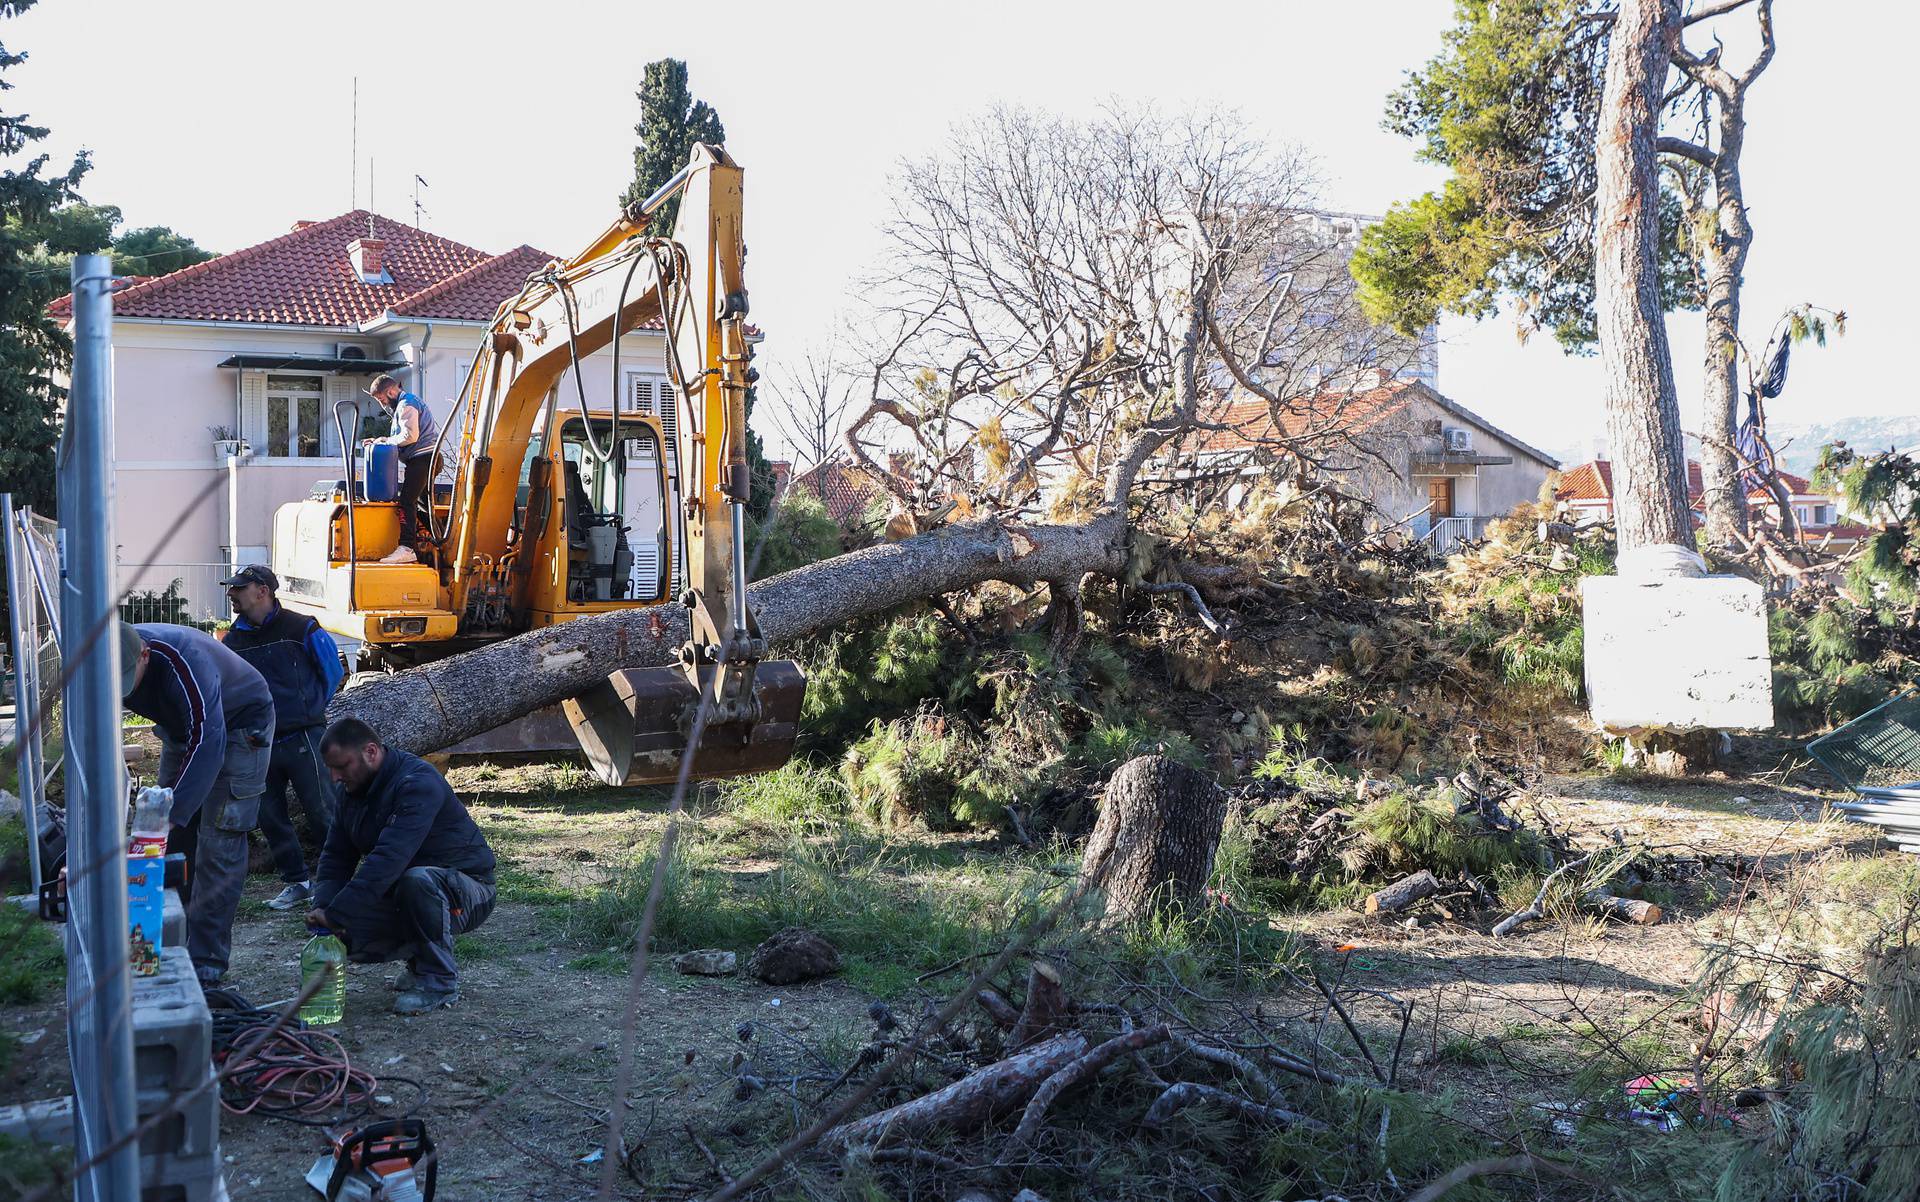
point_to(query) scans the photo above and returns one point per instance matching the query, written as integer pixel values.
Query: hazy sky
(230, 120)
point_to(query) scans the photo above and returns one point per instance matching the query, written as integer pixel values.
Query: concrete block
(208, 1188)
(1677, 652)
(184, 1144)
(173, 921)
(172, 1028)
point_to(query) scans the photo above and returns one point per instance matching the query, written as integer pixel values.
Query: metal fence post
(99, 996)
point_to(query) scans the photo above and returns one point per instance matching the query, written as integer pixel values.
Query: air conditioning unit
(350, 350)
(1459, 441)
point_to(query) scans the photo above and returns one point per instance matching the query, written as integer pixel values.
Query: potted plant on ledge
(227, 444)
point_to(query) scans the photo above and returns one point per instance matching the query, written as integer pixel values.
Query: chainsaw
(378, 1162)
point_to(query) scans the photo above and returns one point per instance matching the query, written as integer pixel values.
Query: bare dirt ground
(514, 1080)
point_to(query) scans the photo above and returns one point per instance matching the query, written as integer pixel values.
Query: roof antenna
(418, 208)
(354, 154)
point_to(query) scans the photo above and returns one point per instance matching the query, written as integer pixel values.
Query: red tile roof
(1248, 422)
(1348, 411)
(303, 277)
(1593, 481)
(306, 278)
(845, 491)
(482, 286)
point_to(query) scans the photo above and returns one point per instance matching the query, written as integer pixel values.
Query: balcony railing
(1445, 535)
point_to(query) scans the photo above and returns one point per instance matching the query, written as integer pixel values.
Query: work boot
(296, 894)
(400, 555)
(404, 982)
(421, 999)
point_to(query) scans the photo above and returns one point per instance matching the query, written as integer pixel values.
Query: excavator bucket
(633, 726)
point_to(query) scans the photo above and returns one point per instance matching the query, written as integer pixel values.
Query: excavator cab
(556, 511)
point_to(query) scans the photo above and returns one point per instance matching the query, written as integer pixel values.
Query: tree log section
(1642, 913)
(1403, 893)
(1156, 836)
(968, 1103)
(438, 704)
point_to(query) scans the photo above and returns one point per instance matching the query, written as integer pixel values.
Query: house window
(294, 424)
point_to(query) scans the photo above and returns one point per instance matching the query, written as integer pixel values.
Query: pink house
(250, 351)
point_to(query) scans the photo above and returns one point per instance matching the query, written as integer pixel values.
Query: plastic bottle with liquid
(152, 817)
(324, 955)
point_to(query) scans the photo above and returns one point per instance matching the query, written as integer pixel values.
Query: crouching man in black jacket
(404, 868)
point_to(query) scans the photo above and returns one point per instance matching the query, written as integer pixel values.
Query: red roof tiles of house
(1593, 481)
(1351, 411)
(843, 490)
(307, 278)
(1250, 422)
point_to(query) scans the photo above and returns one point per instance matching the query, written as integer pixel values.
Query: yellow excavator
(535, 527)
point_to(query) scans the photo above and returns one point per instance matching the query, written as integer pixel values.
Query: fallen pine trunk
(1403, 893)
(438, 704)
(968, 1103)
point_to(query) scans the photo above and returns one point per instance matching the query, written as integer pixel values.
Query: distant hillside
(1799, 443)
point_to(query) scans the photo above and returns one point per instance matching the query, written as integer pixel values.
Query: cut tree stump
(1155, 840)
(1045, 1007)
(968, 1103)
(1403, 893)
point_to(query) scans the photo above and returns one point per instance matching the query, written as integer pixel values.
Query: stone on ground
(793, 955)
(707, 962)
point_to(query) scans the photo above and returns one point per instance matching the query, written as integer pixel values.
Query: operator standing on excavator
(415, 433)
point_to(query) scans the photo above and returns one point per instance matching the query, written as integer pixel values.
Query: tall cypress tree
(32, 345)
(671, 121)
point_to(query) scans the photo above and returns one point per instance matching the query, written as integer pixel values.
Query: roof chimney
(366, 255)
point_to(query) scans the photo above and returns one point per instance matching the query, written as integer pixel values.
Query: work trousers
(416, 921)
(415, 474)
(214, 841)
(295, 764)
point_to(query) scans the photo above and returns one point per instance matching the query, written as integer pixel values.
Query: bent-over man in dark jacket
(214, 717)
(404, 868)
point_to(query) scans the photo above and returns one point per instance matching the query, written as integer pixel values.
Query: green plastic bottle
(326, 956)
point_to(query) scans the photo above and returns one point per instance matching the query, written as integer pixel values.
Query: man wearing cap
(415, 432)
(302, 669)
(214, 715)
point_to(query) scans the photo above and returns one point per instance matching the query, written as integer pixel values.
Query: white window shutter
(339, 388)
(253, 410)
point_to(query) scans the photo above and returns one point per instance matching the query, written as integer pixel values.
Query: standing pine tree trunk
(1724, 260)
(1643, 412)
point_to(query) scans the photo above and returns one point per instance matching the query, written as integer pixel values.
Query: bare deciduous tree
(810, 402)
(1056, 289)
